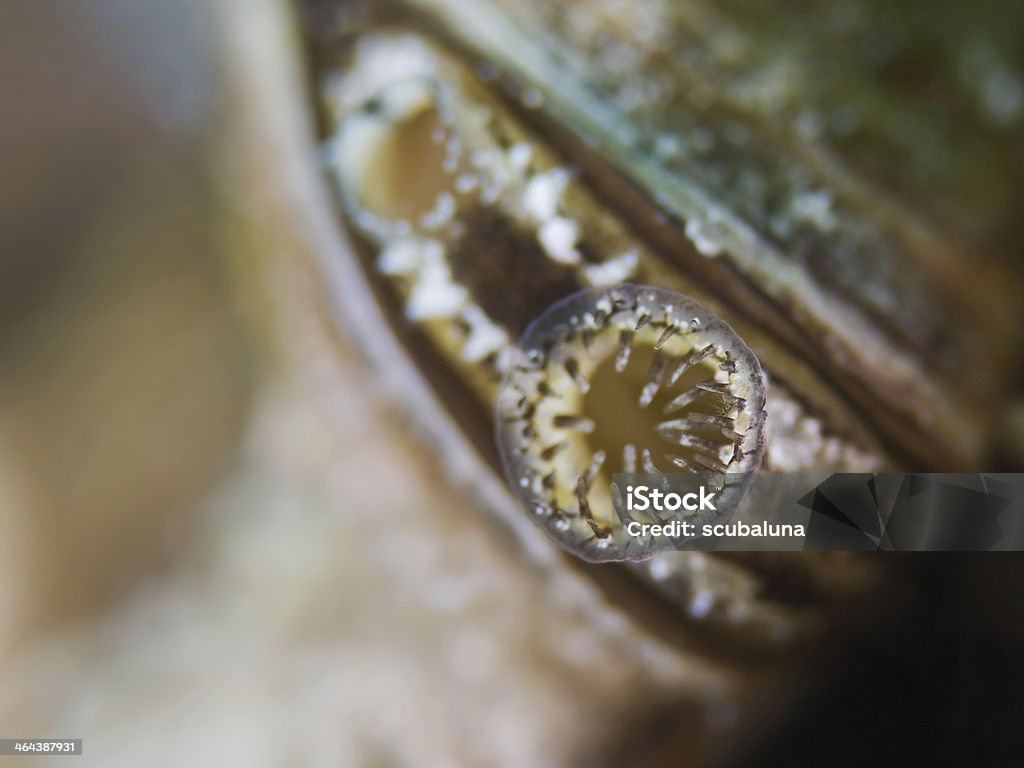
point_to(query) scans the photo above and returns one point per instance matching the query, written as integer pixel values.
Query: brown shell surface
(842, 198)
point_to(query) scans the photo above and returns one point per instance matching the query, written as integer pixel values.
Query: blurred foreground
(194, 469)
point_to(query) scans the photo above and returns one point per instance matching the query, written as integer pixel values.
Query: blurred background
(195, 466)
